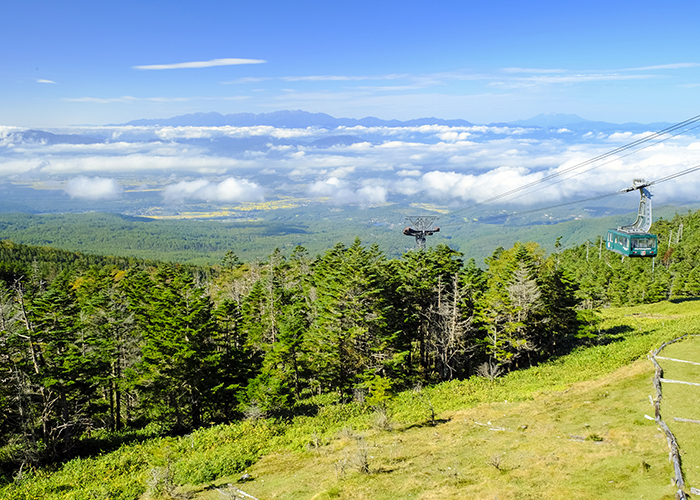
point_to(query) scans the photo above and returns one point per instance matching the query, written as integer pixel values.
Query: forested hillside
(604, 278)
(93, 347)
(255, 234)
(115, 347)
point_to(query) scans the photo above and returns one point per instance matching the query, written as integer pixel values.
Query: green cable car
(630, 244)
(634, 240)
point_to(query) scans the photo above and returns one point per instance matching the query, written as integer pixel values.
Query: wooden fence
(674, 454)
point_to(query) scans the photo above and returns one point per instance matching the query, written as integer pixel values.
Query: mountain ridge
(287, 119)
(304, 119)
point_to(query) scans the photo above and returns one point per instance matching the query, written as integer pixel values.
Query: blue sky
(86, 62)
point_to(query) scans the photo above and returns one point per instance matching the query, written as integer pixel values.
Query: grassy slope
(571, 428)
(683, 401)
(590, 442)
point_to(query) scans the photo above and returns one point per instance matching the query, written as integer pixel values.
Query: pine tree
(347, 338)
(106, 317)
(230, 360)
(420, 278)
(53, 372)
(511, 306)
(176, 320)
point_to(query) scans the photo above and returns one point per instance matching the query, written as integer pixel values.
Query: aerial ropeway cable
(612, 155)
(575, 174)
(583, 200)
(678, 128)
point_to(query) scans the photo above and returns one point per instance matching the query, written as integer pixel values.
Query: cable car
(631, 245)
(634, 240)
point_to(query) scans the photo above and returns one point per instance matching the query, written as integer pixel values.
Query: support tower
(421, 226)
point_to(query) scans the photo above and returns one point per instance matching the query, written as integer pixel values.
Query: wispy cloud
(68, 164)
(533, 81)
(128, 98)
(389, 88)
(532, 70)
(414, 80)
(248, 79)
(319, 78)
(41, 80)
(202, 64)
(665, 66)
(356, 86)
(124, 98)
(342, 78)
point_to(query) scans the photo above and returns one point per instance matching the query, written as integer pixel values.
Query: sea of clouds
(346, 165)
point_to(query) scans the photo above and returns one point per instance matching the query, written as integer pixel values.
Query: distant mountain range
(575, 122)
(303, 119)
(288, 119)
(44, 137)
(539, 125)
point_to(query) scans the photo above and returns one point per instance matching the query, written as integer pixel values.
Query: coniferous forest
(92, 347)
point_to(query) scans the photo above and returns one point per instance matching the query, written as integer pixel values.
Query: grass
(570, 428)
(533, 449)
(683, 401)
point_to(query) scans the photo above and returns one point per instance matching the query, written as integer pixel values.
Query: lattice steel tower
(421, 226)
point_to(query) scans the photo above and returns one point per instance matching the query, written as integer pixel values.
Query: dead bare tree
(450, 326)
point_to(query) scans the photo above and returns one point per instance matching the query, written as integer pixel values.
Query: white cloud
(665, 66)
(123, 164)
(408, 187)
(343, 171)
(341, 193)
(41, 80)
(202, 64)
(626, 137)
(93, 188)
(409, 173)
(532, 70)
(229, 190)
(430, 161)
(454, 136)
(371, 195)
(172, 133)
(471, 188)
(326, 188)
(107, 148)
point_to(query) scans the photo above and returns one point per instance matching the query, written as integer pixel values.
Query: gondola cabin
(631, 244)
(633, 240)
